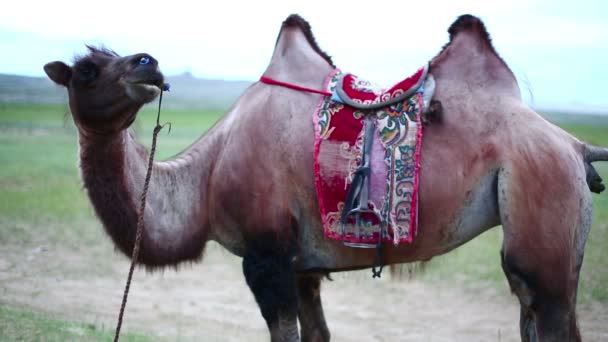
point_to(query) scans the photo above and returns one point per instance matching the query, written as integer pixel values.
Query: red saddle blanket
(395, 156)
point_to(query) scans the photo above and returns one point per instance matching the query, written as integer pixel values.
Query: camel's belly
(478, 214)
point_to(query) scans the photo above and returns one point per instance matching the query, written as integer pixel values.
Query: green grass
(34, 115)
(592, 134)
(25, 325)
(41, 200)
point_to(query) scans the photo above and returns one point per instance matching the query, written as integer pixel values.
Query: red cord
(292, 86)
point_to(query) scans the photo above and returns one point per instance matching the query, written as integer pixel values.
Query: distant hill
(189, 91)
(23, 89)
(186, 91)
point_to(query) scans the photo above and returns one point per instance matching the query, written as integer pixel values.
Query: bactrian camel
(248, 182)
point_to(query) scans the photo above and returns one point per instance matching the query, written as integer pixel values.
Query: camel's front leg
(310, 312)
(269, 273)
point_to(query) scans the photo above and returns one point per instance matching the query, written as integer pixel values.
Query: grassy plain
(42, 203)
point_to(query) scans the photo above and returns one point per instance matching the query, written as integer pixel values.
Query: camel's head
(106, 90)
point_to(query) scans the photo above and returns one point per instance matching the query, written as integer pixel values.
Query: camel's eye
(87, 71)
(144, 60)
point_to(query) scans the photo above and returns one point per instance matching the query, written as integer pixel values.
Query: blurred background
(556, 49)
(60, 278)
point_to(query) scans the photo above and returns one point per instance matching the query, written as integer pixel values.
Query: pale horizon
(557, 50)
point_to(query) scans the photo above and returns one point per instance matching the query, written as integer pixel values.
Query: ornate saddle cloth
(394, 160)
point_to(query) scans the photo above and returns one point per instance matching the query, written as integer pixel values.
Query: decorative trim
(317, 168)
(381, 104)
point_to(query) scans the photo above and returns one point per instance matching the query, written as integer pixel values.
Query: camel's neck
(175, 225)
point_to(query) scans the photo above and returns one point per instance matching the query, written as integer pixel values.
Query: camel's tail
(593, 154)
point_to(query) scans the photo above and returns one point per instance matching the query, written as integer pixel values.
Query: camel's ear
(59, 73)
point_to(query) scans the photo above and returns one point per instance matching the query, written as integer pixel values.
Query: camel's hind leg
(268, 270)
(545, 228)
(310, 312)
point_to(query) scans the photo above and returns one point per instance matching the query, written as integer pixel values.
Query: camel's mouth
(147, 85)
(144, 90)
(157, 82)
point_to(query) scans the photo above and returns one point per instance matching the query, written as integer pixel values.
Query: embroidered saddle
(367, 157)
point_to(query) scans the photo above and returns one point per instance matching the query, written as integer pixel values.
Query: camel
(248, 182)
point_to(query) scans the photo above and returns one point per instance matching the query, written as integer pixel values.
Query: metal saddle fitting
(357, 200)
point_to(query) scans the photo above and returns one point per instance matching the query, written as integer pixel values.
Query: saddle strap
(359, 188)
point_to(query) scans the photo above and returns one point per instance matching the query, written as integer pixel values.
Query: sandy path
(210, 301)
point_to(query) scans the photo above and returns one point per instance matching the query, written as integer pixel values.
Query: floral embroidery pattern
(404, 166)
(328, 109)
(365, 86)
(399, 138)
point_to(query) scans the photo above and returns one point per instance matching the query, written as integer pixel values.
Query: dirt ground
(209, 301)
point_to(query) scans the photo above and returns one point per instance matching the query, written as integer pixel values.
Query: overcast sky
(557, 49)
